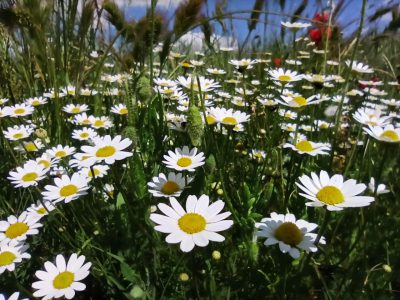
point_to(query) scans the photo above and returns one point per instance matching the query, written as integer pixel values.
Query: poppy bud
(315, 35)
(277, 61)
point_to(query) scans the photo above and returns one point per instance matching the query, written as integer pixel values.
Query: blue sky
(348, 20)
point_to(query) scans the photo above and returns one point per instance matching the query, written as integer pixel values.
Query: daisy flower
(183, 159)
(47, 161)
(60, 151)
(12, 255)
(298, 101)
(27, 175)
(291, 235)
(75, 108)
(100, 122)
(243, 64)
(295, 25)
(359, 67)
(61, 279)
(303, 146)
(19, 110)
(368, 116)
(15, 230)
(215, 71)
(230, 117)
(87, 92)
(381, 189)
(107, 149)
(171, 186)
(4, 100)
(284, 76)
(119, 109)
(163, 82)
(197, 225)
(83, 119)
(66, 189)
(389, 133)
(40, 209)
(34, 146)
(84, 134)
(35, 101)
(333, 191)
(97, 171)
(191, 83)
(52, 94)
(18, 132)
(69, 90)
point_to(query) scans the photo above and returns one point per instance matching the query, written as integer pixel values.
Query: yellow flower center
(76, 110)
(19, 111)
(29, 177)
(15, 230)
(229, 121)
(18, 136)
(98, 123)
(85, 122)
(84, 135)
(184, 162)
(390, 135)
(68, 190)
(35, 103)
(304, 146)
(284, 78)
(6, 258)
(63, 280)
(60, 153)
(323, 126)
(330, 195)
(41, 211)
(300, 101)
(45, 163)
(192, 223)
(30, 147)
(289, 233)
(95, 171)
(318, 78)
(170, 187)
(106, 151)
(211, 120)
(123, 111)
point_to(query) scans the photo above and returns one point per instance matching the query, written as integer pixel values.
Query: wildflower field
(173, 156)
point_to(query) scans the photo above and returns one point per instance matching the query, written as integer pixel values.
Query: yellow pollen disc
(84, 135)
(289, 233)
(85, 157)
(30, 147)
(211, 120)
(330, 195)
(195, 86)
(323, 126)
(123, 111)
(60, 154)
(390, 135)
(15, 230)
(45, 163)
(19, 111)
(6, 258)
(192, 223)
(304, 146)
(300, 101)
(98, 123)
(68, 190)
(229, 121)
(35, 103)
(29, 177)
(76, 110)
(372, 123)
(284, 78)
(318, 78)
(184, 162)
(95, 171)
(41, 211)
(63, 280)
(86, 122)
(18, 136)
(170, 187)
(168, 91)
(106, 151)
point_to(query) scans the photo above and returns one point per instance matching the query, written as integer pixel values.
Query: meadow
(136, 165)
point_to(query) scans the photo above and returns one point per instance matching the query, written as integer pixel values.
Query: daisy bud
(387, 268)
(220, 192)
(183, 277)
(41, 133)
(195, 126)
(136, 292)
(216, 255)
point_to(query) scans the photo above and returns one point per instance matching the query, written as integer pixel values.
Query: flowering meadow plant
(159, 159)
